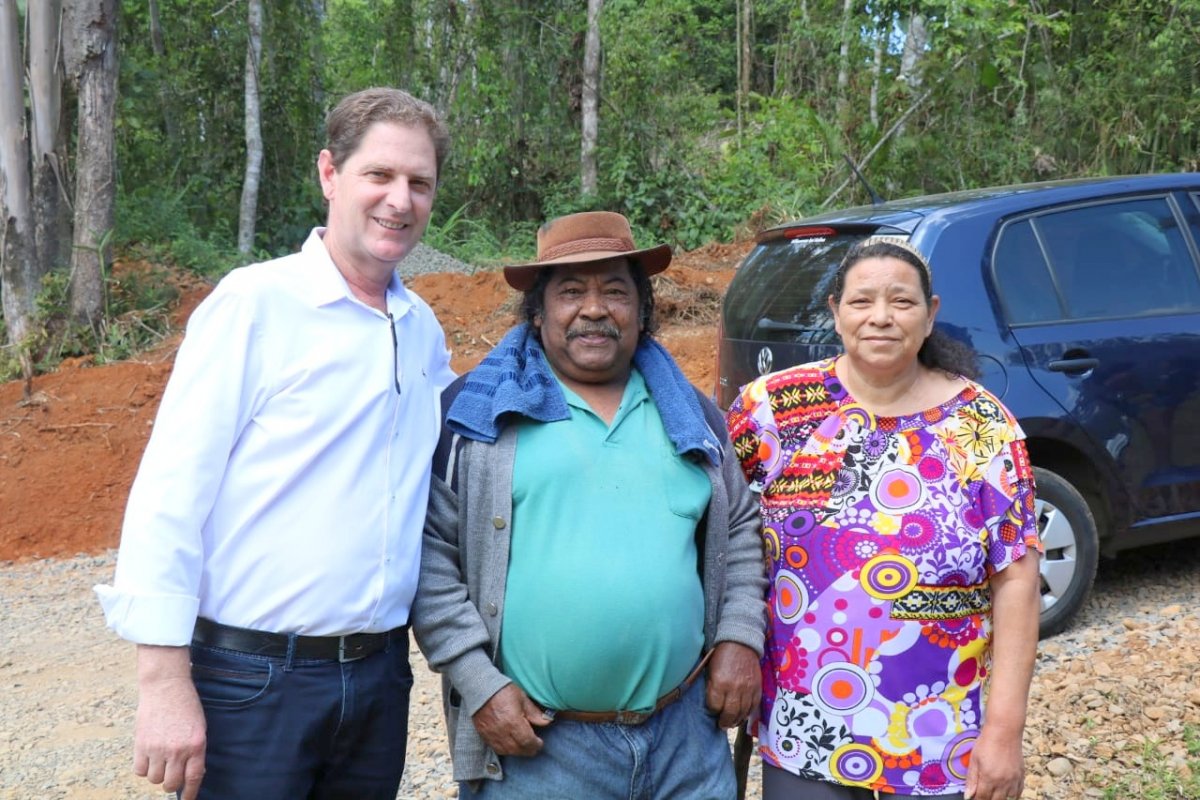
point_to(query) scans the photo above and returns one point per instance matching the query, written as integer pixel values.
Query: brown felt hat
(583, 238)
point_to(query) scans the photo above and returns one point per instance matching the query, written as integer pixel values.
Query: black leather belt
(275, 645)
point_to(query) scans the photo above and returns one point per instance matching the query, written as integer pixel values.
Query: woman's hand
(997, 770)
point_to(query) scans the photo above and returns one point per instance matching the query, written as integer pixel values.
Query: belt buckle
(349, 652)
(631, 717)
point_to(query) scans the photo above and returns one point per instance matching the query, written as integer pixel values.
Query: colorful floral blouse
(880, 533)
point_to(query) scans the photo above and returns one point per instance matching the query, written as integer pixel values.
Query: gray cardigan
(464, 564)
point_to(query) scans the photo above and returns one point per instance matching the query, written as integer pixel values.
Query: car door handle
(1073, 365)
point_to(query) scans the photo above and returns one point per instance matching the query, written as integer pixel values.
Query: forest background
(184, 132)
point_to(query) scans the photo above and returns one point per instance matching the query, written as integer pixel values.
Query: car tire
(1072, 550)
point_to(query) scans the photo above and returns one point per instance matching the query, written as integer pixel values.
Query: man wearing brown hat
(592, 580)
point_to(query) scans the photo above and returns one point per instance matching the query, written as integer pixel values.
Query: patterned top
(880, 534)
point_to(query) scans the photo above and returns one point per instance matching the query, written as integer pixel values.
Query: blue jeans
(677, 753)
(283, 729)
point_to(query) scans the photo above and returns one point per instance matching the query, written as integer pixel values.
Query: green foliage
(1156, 776)
(1002, 92)
(774, 168)
(180, 119)
(136, 318)
(466, 238)
(156, 222)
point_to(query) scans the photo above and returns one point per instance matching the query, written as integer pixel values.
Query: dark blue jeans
(281, 729)
(677, 754)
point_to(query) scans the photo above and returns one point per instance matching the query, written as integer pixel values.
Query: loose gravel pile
(1122, 676)
(424, 259)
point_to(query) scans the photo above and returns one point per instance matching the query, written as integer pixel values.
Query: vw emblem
(766, 360)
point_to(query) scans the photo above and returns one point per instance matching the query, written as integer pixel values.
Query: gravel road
(68, 694)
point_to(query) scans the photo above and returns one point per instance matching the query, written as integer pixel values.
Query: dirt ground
(68, 453)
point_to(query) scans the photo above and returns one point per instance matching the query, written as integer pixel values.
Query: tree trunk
(591, 99)
(738, 100)
(744, 11)
(747, 43)
(877, 74)
(91, 56)
(159, 47)
(462, 44)
(915, 40)
(843, 75)
(254, 144)
(51, 226)
(19, 274)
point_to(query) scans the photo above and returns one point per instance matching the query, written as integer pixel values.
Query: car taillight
(809, 232)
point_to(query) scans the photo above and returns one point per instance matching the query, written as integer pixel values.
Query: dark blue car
(1082, 299)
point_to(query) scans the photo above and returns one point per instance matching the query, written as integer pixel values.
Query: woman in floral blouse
(897, 503)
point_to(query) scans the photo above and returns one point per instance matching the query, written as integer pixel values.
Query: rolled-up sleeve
(209, 398)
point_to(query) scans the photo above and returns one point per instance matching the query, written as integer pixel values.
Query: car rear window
(782, 288)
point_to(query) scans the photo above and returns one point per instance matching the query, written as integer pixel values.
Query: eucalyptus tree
(70, 44)
(247, 216)
(590, 100)
(32, 166)
(90, 51)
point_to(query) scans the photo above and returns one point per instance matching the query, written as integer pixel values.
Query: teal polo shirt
(604, 609)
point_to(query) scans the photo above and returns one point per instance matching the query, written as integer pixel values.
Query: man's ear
(326, 172)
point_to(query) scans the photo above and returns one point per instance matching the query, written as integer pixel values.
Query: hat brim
(652, 260)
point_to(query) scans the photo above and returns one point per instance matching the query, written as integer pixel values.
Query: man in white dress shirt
(271, 544)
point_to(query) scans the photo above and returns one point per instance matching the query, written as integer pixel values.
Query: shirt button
(491, 609)
(498, 522)
(493, 769)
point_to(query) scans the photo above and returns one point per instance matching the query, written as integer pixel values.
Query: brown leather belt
(636, 717)
(276, 645)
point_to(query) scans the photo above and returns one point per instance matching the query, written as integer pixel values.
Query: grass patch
(1159, 773)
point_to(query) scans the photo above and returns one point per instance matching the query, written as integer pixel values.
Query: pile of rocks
(424, 260)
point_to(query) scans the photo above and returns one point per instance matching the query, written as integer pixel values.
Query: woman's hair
(534, 301)
(939, 350)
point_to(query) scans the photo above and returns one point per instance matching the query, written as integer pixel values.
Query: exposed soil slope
(69, 452)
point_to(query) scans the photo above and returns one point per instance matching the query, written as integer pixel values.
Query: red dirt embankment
(69, 453)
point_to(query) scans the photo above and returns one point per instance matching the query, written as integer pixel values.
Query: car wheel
(1068, 566)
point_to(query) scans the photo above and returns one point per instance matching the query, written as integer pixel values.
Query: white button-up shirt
(285, 483)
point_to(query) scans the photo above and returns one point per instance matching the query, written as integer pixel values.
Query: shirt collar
(635, 393)
(326, 285)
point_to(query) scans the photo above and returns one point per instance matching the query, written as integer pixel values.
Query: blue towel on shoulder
(514, 378)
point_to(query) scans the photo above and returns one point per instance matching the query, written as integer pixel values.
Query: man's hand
(169, 735)
(734, 683)
(506, 722)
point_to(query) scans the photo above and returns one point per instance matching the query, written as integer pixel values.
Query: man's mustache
(594, 330)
